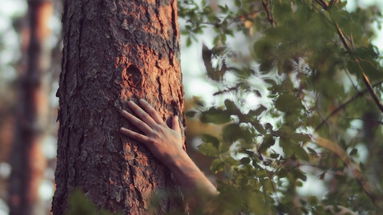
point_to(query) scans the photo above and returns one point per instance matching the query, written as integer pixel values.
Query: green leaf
(230, 106)
(256, 203)
(288, 103)
(245, 160)
(217, 166)
(371, 52)
(233, 132)
(216, 116)
(299, 174)
(208, 149)
(257, 111)
(80, 204)
(266, 144)
(188, 42)
(300, 153)
(206, 138)
(372, 69)
(300, 137)
(191, 113)
(353, 152)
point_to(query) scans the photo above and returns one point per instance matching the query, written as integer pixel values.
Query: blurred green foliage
(311, 56)
(80, 204)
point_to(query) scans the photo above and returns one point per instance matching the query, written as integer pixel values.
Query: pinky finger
(135, 135)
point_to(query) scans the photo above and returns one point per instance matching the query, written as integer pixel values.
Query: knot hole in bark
(134, 75)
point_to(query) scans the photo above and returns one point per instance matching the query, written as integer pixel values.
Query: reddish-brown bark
(27, 159)
(114, 51)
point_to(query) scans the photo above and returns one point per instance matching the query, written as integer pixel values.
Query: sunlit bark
(115, 51)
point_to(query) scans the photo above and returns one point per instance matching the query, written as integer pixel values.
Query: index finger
(143, 115)
(153, 113)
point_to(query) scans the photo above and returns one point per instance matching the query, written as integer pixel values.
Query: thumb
(176, 124)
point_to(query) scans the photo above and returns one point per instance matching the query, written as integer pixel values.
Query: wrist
(189, 176)
(178, 162)
(175, 161)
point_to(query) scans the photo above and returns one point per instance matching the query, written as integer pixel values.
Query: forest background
(266, 85)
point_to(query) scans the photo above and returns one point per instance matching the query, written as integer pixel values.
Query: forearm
(190, 177)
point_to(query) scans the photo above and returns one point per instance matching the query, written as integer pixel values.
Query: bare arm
(166, 145)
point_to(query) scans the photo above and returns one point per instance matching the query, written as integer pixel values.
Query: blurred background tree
(29, 62)
(26, 158)
(284, 101)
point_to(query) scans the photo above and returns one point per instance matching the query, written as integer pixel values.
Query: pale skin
(166, 145)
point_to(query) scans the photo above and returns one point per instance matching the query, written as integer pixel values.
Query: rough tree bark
(27, 159)
(114, 50)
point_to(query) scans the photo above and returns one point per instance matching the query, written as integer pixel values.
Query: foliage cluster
(317, 75)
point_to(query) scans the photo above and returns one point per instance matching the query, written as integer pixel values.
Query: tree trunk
(115, 51)
(27, 159)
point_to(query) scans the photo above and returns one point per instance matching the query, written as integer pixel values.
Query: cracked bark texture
(115, 50)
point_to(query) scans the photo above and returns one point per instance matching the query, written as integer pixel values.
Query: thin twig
(326, 5)
(342, 38)
(357, 60)
(265, 4)
(368, 189)
(227, 90)
(332, 3)
(343, 106)
(371, 90)
(322, 4)
(349, 78)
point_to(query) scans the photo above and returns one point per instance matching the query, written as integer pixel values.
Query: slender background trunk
(115, 51)
(27, 159)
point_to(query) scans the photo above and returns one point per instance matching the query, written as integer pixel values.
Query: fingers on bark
(135, 135)
(142, 114)
(137, 122)
(153, 113)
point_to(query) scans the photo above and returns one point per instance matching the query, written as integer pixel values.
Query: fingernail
(123, 129)
(143, 100)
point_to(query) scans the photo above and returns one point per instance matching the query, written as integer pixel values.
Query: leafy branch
(344, 105)
(343, 39)
(357, 60)
(355, 170)
(367, 188)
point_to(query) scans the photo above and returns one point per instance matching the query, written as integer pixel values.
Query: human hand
(165, 143)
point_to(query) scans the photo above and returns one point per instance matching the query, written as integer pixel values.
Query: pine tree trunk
(114, 51)
(27, 159)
